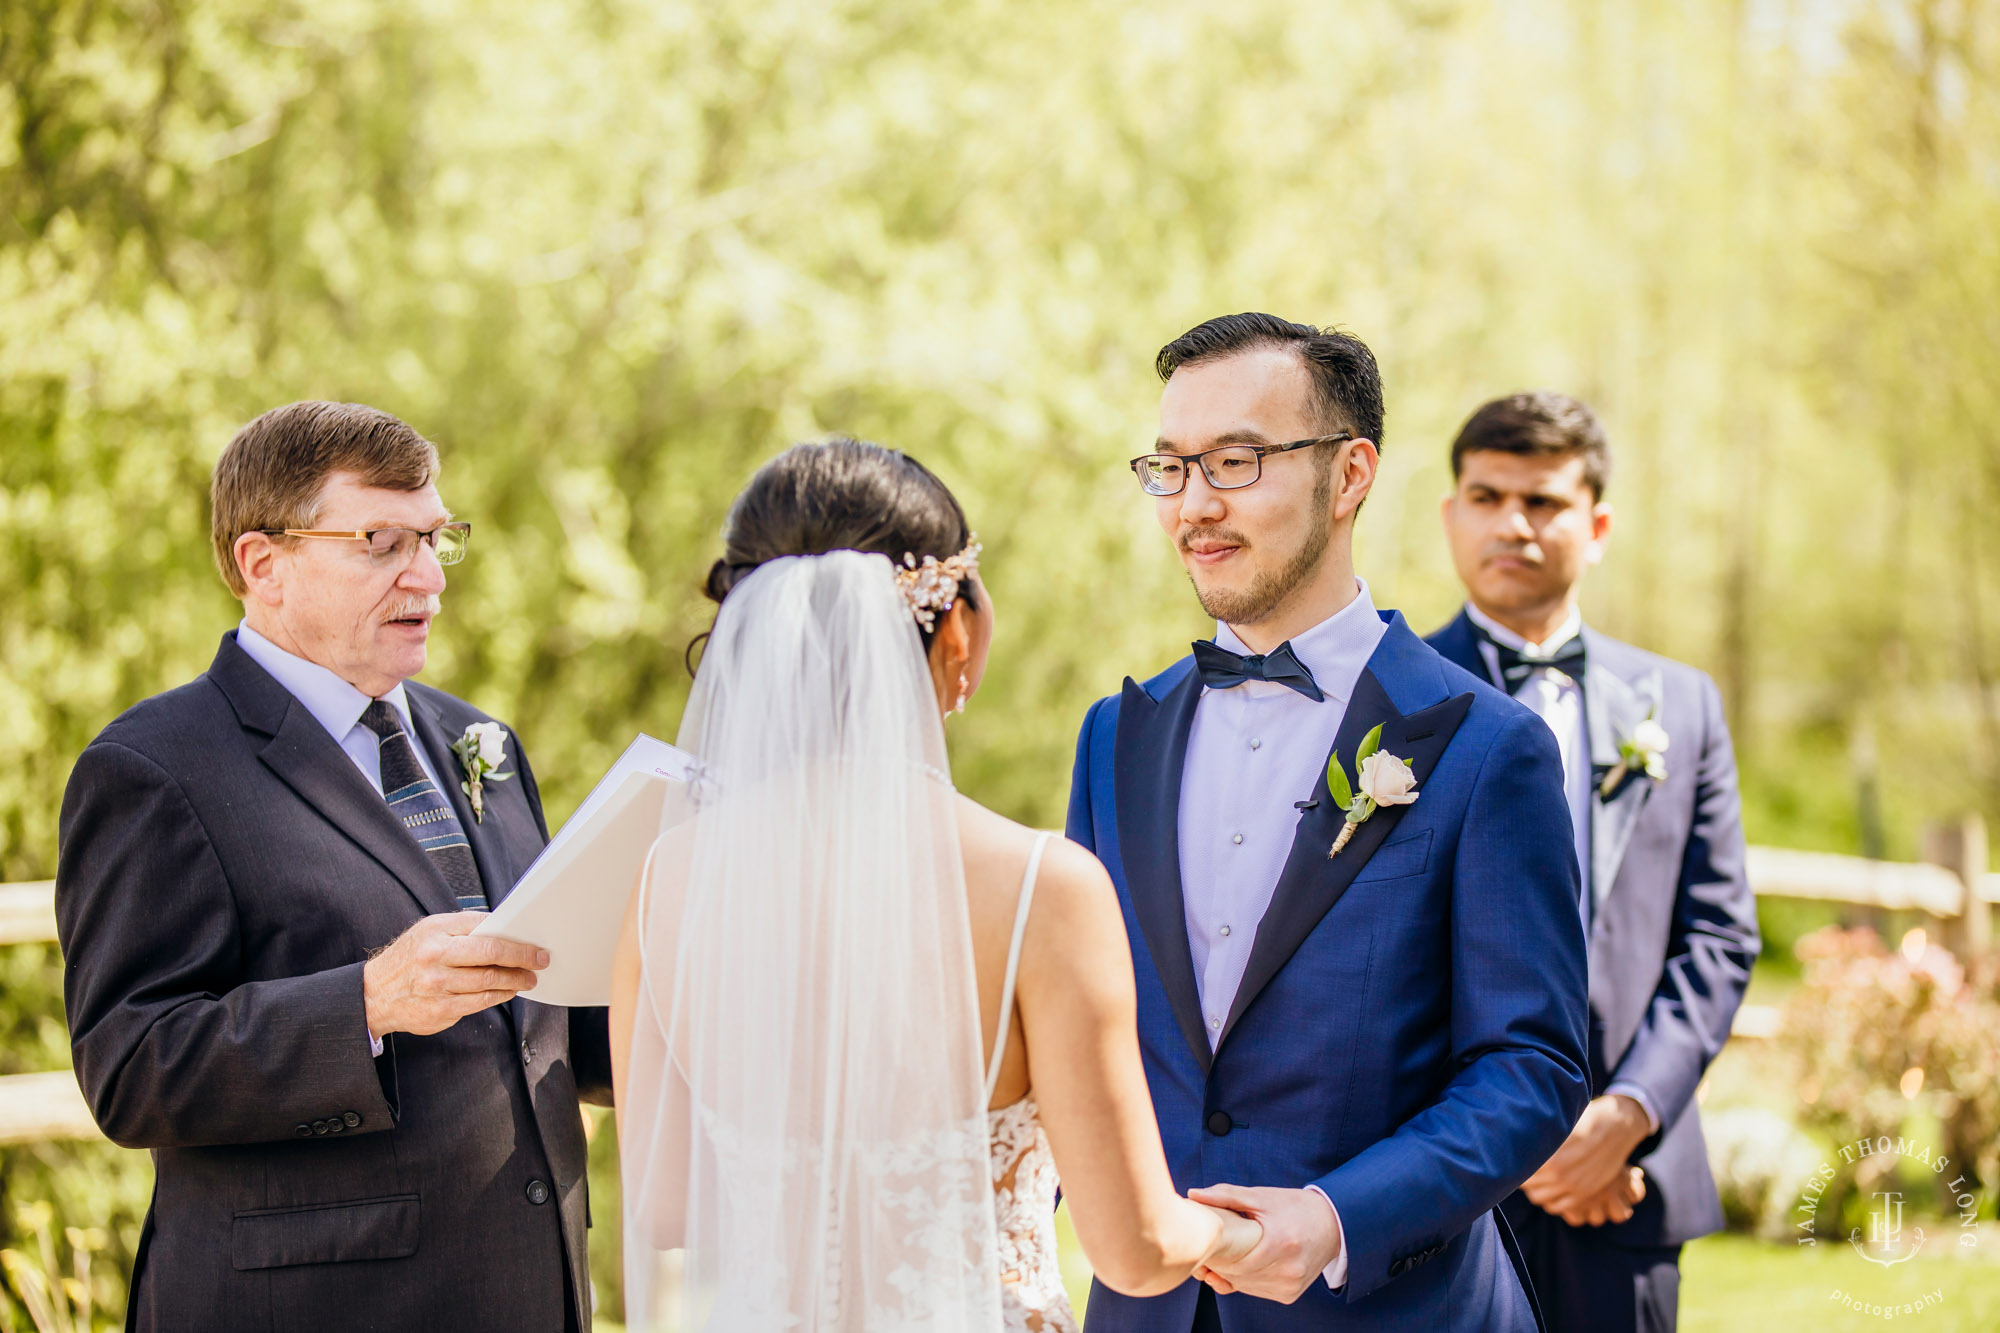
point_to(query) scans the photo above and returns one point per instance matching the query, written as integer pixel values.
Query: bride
(860, 1022)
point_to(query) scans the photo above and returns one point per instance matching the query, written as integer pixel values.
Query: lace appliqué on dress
(1032, 1299)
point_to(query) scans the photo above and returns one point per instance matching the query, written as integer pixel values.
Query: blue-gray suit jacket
(1409, 1034)
(1674, 922)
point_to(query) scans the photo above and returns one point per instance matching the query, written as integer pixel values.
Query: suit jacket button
(334, 1124)
(353, 1120)
(527, 1054)
(1219, 1123)
(303, 1131)
(538, 1192)
(319, 1126)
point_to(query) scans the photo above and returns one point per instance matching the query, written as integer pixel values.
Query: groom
(260, 893)
(1367, 1050)
(1651, 781)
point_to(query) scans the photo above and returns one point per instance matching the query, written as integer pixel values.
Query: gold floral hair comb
(931, 588)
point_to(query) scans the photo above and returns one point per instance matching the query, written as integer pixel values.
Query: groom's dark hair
(839, 495)
(1540, 423)
(1347, 384)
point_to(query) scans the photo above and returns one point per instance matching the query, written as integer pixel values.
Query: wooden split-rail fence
(1951, 890)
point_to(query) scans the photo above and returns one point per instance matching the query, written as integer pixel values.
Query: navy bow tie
(1223, 670)
(1516, 666)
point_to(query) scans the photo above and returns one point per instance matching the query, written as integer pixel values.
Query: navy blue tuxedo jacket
(1674, 923)
(1409, 1034)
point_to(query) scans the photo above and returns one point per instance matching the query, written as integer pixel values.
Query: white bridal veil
(805, 1131)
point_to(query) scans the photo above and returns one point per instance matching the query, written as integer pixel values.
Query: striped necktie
(415, 799)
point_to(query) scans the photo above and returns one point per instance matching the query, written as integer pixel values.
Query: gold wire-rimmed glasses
(393, 546)
(1228, 468)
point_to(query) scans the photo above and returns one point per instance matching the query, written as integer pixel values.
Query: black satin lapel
(1148, 755)
(1312, 883)
(495, 874)
(314, 766)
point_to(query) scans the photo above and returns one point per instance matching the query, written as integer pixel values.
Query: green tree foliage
(612, 254)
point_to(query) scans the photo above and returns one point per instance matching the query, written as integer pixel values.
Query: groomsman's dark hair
(1345, 378)
(271, 474)
(1543, 422)
(840, 495)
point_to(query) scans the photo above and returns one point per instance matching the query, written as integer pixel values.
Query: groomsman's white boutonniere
(1385, 780)
(481, 750)
(1641, 752)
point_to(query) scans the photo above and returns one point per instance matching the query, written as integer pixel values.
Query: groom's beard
(1268, 592)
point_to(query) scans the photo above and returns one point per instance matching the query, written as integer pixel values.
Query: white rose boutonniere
(1644, 751)
(1384, 778)
(481, 751)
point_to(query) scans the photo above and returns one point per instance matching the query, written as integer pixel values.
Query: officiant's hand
(1590, 1181)
(437, 972)
(1300, 1238)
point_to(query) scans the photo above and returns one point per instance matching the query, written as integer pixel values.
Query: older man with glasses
(265, 890)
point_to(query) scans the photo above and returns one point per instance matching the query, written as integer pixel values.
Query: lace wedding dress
(1032, 1299)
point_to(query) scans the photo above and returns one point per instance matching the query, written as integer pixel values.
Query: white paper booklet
(573, 897)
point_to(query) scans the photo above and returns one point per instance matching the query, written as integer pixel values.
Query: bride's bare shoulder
(995, 843)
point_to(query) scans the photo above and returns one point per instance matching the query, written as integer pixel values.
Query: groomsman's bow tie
(1516, 666)
(1223, 670)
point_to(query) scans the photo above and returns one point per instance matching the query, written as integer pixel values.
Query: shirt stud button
(1236, 838)
(1215, 1023)
(1255, 743)
(1225, 930)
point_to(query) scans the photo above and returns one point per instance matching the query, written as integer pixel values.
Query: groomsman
(265, 889)
(1672, 926)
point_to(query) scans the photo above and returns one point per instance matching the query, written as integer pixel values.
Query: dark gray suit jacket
(1674, 924)
(225, 870)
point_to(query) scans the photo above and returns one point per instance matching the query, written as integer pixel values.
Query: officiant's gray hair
(273, 473)
(840, 494)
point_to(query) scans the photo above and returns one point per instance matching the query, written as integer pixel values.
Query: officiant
(265, 886)
(1650, 778)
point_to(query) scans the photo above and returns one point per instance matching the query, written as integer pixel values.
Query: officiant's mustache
(412, 608)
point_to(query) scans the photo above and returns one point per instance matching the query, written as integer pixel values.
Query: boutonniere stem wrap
(1643, 751)
(1384, 780)
(481, 751)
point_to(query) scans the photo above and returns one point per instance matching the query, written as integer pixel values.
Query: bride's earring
(963, 691)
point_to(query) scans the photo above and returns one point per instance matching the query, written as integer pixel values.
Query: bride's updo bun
(839, 495)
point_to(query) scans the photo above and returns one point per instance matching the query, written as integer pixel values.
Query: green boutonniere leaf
(1369, 745)
(1336, 782)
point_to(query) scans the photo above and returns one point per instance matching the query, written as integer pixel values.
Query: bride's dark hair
(839, 495)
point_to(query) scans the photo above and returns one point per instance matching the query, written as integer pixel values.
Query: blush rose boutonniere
(1384, 779)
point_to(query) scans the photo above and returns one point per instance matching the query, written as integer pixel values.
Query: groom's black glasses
(394, 546)
(1229, 468)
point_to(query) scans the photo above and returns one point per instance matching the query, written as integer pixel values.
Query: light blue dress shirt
(1253, 750)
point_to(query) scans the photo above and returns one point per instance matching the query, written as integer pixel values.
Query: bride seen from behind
(860, 1022)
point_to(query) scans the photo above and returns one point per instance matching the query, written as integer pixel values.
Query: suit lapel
(1150, 750)
(495, 872)
(313, 765)
(1311, 882)
(1612, 708)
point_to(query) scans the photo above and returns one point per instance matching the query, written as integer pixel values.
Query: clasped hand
(1590, 1181)
(1297, 1240)
(437, 972)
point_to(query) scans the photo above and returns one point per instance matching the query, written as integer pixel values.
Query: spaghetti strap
(1014, 963)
